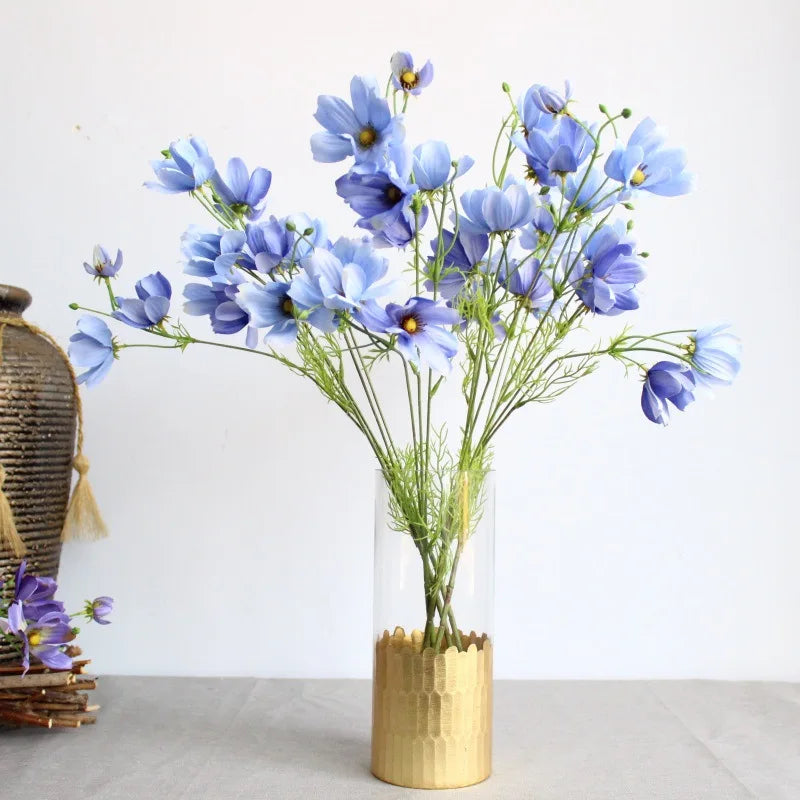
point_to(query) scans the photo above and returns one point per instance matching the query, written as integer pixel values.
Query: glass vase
(433, 618)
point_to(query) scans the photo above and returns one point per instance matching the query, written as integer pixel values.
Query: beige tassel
(9, 537)
(83, 520)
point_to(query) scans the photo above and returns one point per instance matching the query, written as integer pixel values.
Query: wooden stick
(82, 685)
(36, 669)
(45, 679)
(25, 719)
(74, 720)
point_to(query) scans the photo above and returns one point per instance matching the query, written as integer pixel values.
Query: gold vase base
(431, 713)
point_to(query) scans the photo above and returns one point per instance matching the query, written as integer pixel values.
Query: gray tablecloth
(169, 738)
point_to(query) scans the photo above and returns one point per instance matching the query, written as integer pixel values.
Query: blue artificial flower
(421, 329)
(605, 278)
(647, 165)
(383, 199)
(549, 101)
(526, 280)
(531, 115)
(272, 245)
(92, 347)
(346, 278)
(666, 381)
(591, 193)
(44, 640)
(463, 254)
(102, 266)
(432, 165)
(33, 597)
(218, 303)
(269, 306)
(716, 355)
(201, 250)
(405, 77)
(99, 608)
(187, 167)
(149, 307)
(493, 210)
(553, 154)
(242, 192)
(364, 130)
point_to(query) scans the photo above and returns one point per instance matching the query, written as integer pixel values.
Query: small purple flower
(93, 347)
(242, 192)
(99, 608)
(421, 329)
(149, 307)
(187, 167)
(102, 266)
(526, 280)
(34, 596)
(405, 77)
(553, 154)
(218, 303)
(462, 256)
(44, 640)
(272, 245)
(666, 381)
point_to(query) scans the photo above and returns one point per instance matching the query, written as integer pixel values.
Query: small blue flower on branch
(666, 381)
(187, 167)
(102, 266)
(494, 210)
(433, 165)
(405, 77)
(242, 192)
(149, 307)
(269, 306)
(716, 355)
(92, 347)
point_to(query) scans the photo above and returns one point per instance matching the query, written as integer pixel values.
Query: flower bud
(506, 87)
(603, 109)
(308, 231)
(290, 226)
(626, 113)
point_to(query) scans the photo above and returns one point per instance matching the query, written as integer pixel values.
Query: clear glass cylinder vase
(433, 620)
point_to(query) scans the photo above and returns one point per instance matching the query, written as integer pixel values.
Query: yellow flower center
(35, 639)
(287, 305)
(367, 136)
(638, 177)
(409, 325)
(409, 79)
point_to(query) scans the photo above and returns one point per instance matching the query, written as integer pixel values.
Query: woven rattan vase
(432, 706)
(37, 437)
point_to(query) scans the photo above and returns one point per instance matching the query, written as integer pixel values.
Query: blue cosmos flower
(33, 596)
(270, 307)
(218, 303)
(526, 280)
(242, 192)
(541, 225)
(187, 167)
(554, 153)
(272, 245)
(405, 77)
(102, 266)
(432, 165)
(44, 640)
(666, 381)
(200, 249)
(149, 307)
(646, 165)
(716, 355)
(343, 279)
(493, 210)
(605, 278)
(382, 199)
(549, 101)
(531, 116)
(465, 253)
(93, 347)
(589, 194)
(364, 130)
(421, 329)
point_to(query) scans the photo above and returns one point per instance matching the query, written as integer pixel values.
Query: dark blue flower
(493, 210)
(405, 77)
(526, 280)
(552, 154)
(364, 129)
(93, 347)
(187, 167)
(218, 302)
(463, 255)
(272, 245)
(149, 307)
(605, 278)
(666, 381)
(33, 596)
(102, 266)
(716, 355)
(645, 164)
(421, 329)
(242, 192)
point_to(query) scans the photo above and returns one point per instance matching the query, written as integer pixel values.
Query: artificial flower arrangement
(499, 280)
(38, 625)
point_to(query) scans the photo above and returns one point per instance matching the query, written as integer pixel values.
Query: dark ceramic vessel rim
(13, 299)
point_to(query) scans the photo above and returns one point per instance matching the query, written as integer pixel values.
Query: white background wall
(241, 505)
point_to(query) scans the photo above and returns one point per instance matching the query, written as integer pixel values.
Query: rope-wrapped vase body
(38, 414)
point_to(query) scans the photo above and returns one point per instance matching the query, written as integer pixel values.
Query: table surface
(242, 738)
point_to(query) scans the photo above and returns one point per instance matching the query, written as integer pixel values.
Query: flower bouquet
(494, 286)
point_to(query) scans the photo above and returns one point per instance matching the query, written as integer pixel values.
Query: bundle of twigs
(47, 698)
